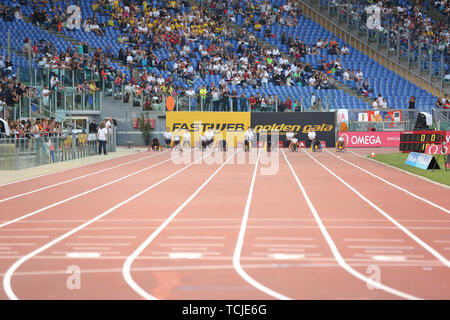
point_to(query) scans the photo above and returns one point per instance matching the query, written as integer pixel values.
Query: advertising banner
(371, 139)
(323, 123)
(422, 161)
(229, 126)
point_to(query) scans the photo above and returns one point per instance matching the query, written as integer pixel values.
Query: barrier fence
(25, 152)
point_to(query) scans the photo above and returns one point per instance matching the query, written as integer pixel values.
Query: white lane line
(81, 255)
(240, 242)
(286, 249)
(192, 244)
(276, 245)
(10, 272)
(107, 237)
(185, 255)
(194, 237)
(394, 185)
(23, 237)
(64, 253)
(64, 170)
(364, 255)
(334, 249)
(382, 247)
(187, 249)
(395, 222)
(284, 238)
(166, 253)
(92, 248)
(372, 240)
(77, 178)
(382, 251)
(98, 244)
(80, 194)
(126, 268)
(18, 244)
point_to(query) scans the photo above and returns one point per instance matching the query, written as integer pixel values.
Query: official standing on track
(248, 137)
(289, 135)
(167, 137)
(186, 139)
(92, 137)
(311, 136)
(209, 135)
(102, 135)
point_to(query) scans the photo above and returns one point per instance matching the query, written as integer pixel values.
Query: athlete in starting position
(340, 145)
(294, 145)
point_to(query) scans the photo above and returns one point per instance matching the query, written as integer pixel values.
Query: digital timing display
(417, 141)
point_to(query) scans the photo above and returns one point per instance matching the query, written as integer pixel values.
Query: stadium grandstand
(83, 58)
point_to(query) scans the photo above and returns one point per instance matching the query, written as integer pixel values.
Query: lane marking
(240, 242)
(394, 185)
(217, 267)
(77, 178)
(80, 194)
(126, 268)
(185, 255)
(23, 237)
(98, 243)
(192, 244)
(10, 272)
(82, 255)
(187, 249)
(194, 237)
(395, 222)
(389, 258)
(285, 245)
(92, 248)
(372, 240)
(64, 170)
(18, 244)
(284, 256)
(284, 238)
(382, 247)
(107, 237)
(337, 255)
(286, 249)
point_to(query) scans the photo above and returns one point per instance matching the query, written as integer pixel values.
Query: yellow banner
(229, 126)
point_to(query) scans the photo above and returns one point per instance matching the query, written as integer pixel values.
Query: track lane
(362, 233)
(114, 236)
(29, 184)
(30, 204)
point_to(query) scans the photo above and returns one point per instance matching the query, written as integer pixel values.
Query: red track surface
(284, 251)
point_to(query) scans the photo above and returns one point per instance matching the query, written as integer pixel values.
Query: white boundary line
(387, 216)
(126, 268)
(9, 273)
(64, 170)
(402, 170)
(334, 249)
(240, 242)
(393, 185)
(80, 177)
(79, 195)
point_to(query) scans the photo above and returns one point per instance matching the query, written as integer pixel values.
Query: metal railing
(29, 151)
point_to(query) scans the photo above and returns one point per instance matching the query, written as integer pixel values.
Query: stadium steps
(69, 39)
(261, 42)
(363, 38)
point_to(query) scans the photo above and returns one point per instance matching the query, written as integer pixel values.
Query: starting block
(302, 144)
(323, 144)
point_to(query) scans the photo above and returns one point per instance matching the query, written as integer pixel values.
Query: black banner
(323, 124)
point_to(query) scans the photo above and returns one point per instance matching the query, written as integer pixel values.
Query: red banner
(437, 149)
(371, 139)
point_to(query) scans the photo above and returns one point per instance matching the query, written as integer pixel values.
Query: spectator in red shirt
(252, 102)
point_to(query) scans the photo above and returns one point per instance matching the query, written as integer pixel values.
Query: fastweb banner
(323, 124)
(229, 126)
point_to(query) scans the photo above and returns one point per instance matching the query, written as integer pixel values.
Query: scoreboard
(417, 141)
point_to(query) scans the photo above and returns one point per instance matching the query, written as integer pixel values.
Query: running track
(325, 226)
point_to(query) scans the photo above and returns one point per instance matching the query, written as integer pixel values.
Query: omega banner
(323, 123)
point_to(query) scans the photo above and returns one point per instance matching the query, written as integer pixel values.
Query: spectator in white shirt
(375, 104)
